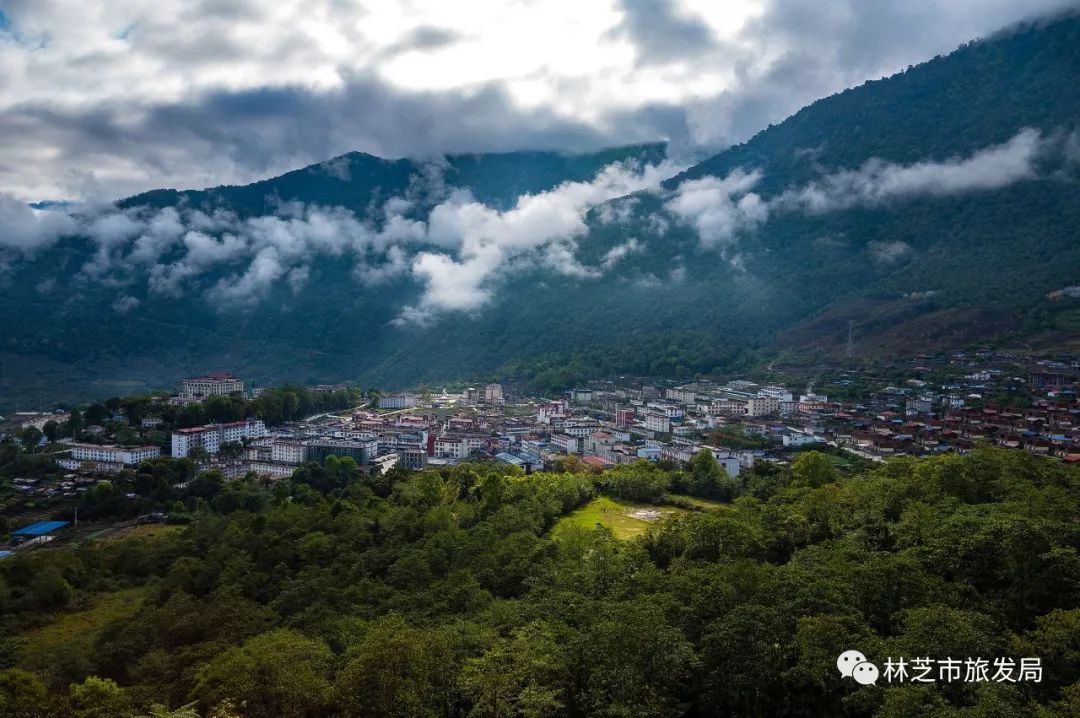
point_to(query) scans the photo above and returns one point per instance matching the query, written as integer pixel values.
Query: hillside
(477, 590)
(937, 208)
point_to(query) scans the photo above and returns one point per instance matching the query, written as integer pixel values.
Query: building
(685, 396)
(775, 392)
(362, 451)
(211, 385)
(581, 396)
(493, 394)
(727, 407)
(400, 400)
(624, 417)
(658, 422)
(413, 458)
(458, 446)
(109, 454)
(762, 405)
(565, 443)
(211, 436)
(796, 439)
(288, 452)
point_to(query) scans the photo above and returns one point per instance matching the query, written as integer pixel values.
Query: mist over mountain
(935, 208)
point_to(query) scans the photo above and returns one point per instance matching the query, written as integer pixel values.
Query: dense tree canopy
(445, 592)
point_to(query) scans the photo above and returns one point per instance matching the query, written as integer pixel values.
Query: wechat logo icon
(853, 664)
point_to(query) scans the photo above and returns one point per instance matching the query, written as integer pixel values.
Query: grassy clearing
(143, 531)
(41, 645)
(704, 504)
(626, 519)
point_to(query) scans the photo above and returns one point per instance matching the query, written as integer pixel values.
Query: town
(922, 406)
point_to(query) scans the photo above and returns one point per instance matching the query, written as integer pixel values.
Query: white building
(727, 407)
(211, 436)
(686, 396)
(658, 422)
(457, 446)
(672, 411)
(565, 443)
(401, 400)
(288, 452)
(762, 406)
(109, 454)
(211, 385)
(775, 392)
(798, 438)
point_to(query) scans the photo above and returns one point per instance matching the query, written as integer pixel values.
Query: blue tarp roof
(40, 528)
(5, 554)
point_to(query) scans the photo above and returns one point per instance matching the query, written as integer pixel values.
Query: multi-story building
(624, 417)
(762, 405)
(776, 392)
(458, 446)
(110, 454)
(658, 422)
(288, 452)
(400, 400)
(413, 458)
(493, 394)
(581, 428)
(211, 385)
(211, 436)
(686, 396)
(565, 443)
(363, 451)
(672, 411)
(727, 407)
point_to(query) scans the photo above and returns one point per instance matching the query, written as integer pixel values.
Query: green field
(68, 632)
(617, 515)
(703, 504)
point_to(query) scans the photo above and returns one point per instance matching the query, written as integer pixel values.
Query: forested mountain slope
(471, 591)
(938, 208)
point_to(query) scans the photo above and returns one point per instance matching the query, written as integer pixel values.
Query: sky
(100, 99)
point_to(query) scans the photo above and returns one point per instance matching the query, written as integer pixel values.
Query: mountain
(937, 208)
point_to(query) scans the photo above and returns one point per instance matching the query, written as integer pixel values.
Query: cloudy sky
(101, 99)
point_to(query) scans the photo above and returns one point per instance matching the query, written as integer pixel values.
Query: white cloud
(214, 92)
(486, 240)
(877, 181)
(719, 208)
(617, 253)
(888, 254)
(125, 303)
(27, 229)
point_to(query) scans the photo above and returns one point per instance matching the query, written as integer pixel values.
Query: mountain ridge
(874, 207)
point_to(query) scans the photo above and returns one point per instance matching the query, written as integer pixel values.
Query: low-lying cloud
(722, 209)
(457, 254)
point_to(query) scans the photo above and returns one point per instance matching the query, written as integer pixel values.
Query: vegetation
(451, 592)
(970, 268)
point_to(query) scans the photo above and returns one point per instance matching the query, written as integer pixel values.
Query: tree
(31, 437)
(96, 414)
(280, 674)
(23, 695)
(51, 430)
(396, 671)
(75, 423)
(98, 698)
(231, 450)
(813, 469)
(49, 590)
(198, 454)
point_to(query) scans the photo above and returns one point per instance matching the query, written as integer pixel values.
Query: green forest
(478, 591)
